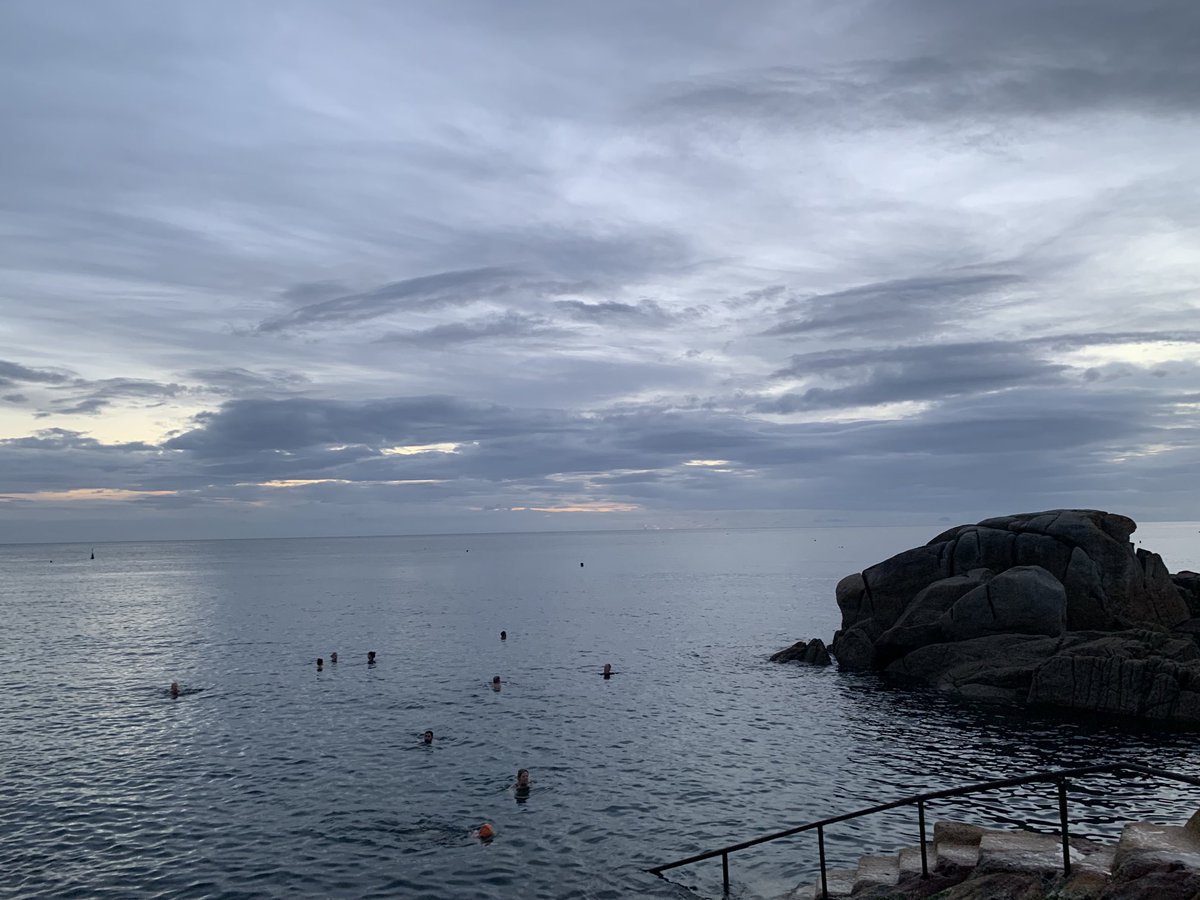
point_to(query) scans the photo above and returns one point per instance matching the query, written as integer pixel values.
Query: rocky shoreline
(1056, 610)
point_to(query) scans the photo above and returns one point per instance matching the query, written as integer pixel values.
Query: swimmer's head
(320, 663)
(608, 668)
(370, 656)
(496, 681)
(333, 656)
(504, 635)
(522, 777)
(427, 737)
(174, 688)
(486, 832)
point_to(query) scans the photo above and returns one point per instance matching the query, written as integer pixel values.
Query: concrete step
(950, 856)
(881, 870)
(946, 832)
(1157, 844)
(1022, 851)
(839, 881)
(1097, 862)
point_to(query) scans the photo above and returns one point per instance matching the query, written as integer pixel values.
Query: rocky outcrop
(1054, 609)
(813, 652)
(1188, 585)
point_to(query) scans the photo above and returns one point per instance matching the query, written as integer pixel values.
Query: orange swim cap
(486, 831)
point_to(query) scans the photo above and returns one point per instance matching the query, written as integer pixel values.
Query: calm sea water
(267, 778)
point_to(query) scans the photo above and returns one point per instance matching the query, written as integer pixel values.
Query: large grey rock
(854, 649)
(919, 624)
(1145, 674)
(1054, 608)
(1020, 600)
(1188, 585)
(1108, 583)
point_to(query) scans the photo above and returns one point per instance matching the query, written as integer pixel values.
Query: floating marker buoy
(486, 832)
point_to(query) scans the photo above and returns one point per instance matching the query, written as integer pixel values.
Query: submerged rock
(812, 652)
(1054, 609)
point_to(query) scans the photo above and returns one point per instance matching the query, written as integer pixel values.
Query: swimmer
(496, 683)
(370, 657)
(333, 658)
(608, 670)
(504, 635)
(485, 832)
(427, 737)
(521, 787)
(174, 688)
(320, 664)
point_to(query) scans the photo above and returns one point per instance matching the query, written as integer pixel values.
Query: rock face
(1053, 608)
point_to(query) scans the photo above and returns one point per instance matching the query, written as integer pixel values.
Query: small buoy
(486, 832)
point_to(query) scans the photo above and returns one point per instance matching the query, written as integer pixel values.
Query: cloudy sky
(349, 268)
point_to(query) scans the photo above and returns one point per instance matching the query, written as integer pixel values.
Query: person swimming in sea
(608, 672)
(333, 658)
(320, 664)
(521, 785)
(504, 635)
(496, 683)
(174, 690)
(427, 738)
(370, 657)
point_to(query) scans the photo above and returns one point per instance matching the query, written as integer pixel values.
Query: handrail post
(821, 851)
(1062, 816)
(725, 870)
(921, 821)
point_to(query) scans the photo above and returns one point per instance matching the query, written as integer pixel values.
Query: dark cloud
(291, 424)
(906, 305)
(14, 398)
(423, 293)
(978, 66)
(15, 373)
(92, 397)
(923, 372)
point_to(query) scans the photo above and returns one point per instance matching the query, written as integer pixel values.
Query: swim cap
(486, 831)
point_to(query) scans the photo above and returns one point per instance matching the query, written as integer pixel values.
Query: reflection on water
(265, 777)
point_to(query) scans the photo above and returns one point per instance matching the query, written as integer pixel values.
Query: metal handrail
(1058, 776)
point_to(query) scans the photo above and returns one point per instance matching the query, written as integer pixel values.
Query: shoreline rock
(1053, 609)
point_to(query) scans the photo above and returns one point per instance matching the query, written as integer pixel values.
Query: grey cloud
(91, 397)
(907, 305)
(911, 373)
(237, 381)
(14, 398)
(875, 376)
(15, 373)
(508, 325)
(290, 424)
(993, 81)
(421, 293)
(51, 439)
(647, 311)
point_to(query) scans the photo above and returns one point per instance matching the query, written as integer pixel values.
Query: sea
(268, 778)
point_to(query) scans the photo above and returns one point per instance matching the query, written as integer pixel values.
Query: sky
(291, 268)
